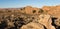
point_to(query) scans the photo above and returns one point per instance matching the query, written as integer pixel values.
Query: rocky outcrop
(29, 17)
(52, 10)
(45, 21)
(32, 25)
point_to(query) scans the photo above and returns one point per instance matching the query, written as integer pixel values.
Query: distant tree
(22, 8)
(34, 11)
(40, 11)
(9, 11)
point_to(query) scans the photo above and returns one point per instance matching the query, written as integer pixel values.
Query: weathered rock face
(53, 10)
(46, 20)
(31, 10)
(32, 25)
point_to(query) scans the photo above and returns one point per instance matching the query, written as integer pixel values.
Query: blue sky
(22, 3)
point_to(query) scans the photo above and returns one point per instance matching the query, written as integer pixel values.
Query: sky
(23, 3)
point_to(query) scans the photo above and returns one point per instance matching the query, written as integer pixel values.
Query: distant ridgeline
(53, 10)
